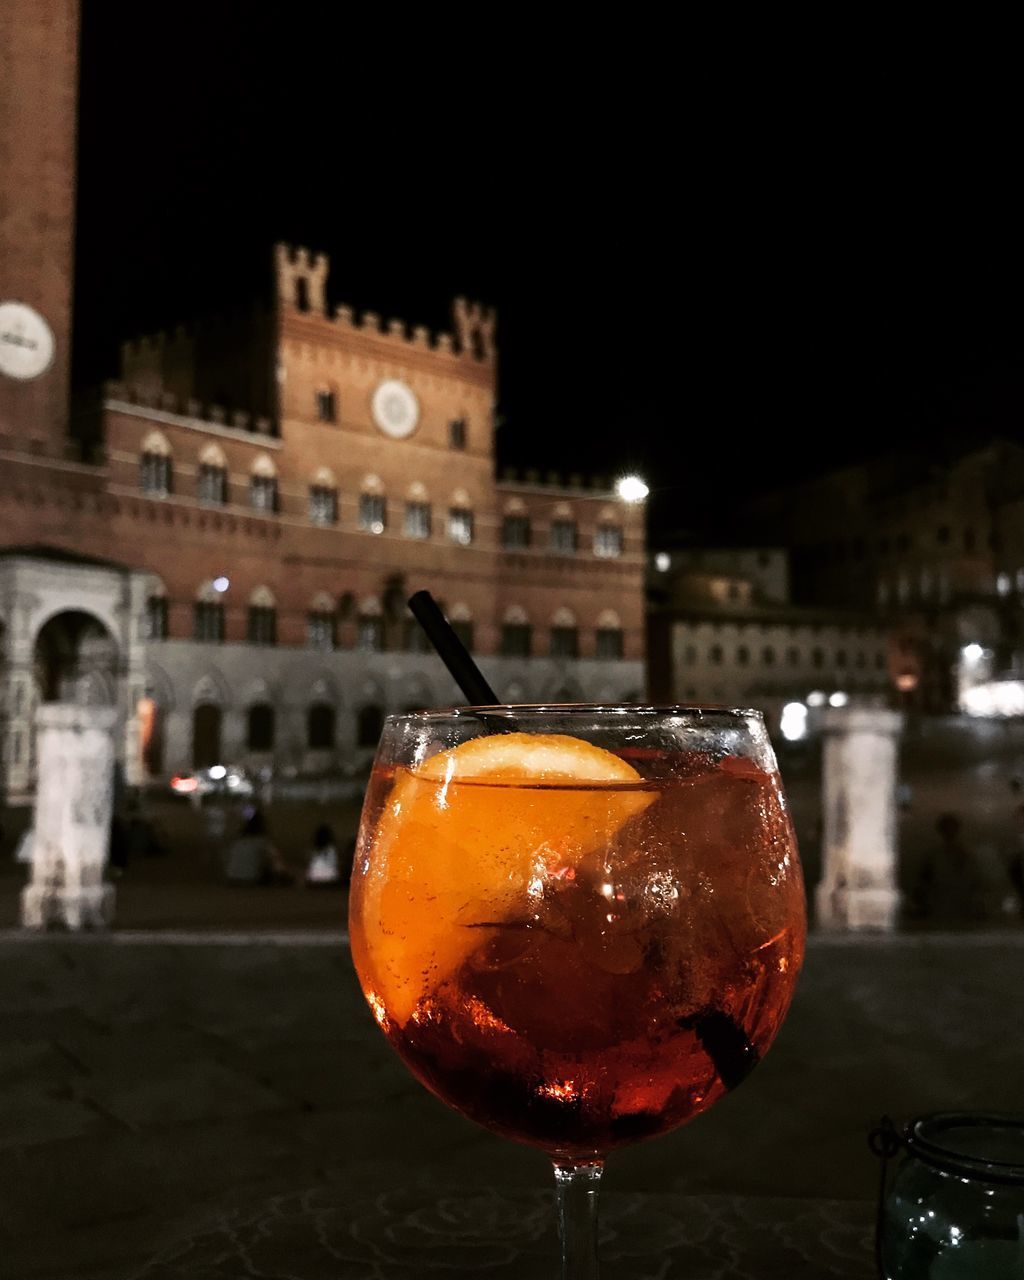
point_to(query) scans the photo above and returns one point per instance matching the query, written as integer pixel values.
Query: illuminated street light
(631, 489)
(663, 562)
(838, 699)
(793, 723)
(221, 584)
(972, 652)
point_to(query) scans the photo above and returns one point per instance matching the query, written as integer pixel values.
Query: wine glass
(578, 926)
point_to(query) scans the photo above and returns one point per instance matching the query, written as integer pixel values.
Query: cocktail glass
(579, 926)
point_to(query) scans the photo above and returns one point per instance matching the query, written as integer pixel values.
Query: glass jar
(954, 1207)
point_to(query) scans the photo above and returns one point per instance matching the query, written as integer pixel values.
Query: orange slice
(467, 841)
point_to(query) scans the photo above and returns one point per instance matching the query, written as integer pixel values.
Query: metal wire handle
(884, 1141)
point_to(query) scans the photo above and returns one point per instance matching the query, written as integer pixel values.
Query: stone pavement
(227, 1107)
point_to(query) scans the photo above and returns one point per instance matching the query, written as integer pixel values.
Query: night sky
(722, 282)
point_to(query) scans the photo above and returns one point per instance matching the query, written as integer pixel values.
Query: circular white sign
(26, 342)
(395, 409)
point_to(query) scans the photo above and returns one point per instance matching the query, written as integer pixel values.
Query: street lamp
(631, 489)
(221, 584)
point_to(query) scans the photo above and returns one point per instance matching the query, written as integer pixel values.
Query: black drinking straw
(452, 652)
(723, 1039)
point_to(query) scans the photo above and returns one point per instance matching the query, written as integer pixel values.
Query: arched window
(516, 633)
(321, 727)
(565, 637)
(460, 519)
(609, 639)
(817, 658)
(208, 615)
(563, 538)
(262, 628)
(457, 433)
(155, 621)
(369, 725)
(206, 726)
(715, 655)
(742, 655)
(793, 656)
(263, 484)
(155, 468)
(462, 624)
(417, 512)
(260, 727)
(212, 478)
(326, 405)
(768, 656)
(322, 623)
(323, 498)
(371, 626)
(608, 540)
(515, 526)
(373, 509)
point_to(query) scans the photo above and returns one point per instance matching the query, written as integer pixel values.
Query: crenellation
(371, 320)
(169, 401)
(193, 408)
(475, 325)
(241, 420)
(343, 315)
(301, 278)
(396, 329)
(444, 344)
(421, 336)
(216, 413)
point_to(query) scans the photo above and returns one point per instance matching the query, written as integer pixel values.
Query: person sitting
(251, 858)
(323, 863)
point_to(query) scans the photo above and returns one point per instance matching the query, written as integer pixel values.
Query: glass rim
(923, 1138)
(538, 709)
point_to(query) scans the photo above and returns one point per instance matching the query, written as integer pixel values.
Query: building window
(155, 475)
(515, 533)
(817, 658)
(743, 655)
(321, 630)
(321, 727)
(417, 519)
(563, 537)
(793, 656)
(516, 639)
(263, 493)
(608, 541)
(372, 512)
(371, 633)
(415, 638)
(860, 662)
(690, 655)
(260, 727)
(369, 725)
(768, 656)
(564, 642)
(715, 655)
(208, 621)
(262, 624)
(841, 658)
(879, 661)
(212, 484)
(156, 618)
(326, 407)
(460, 525)
(457, 433)
(323, 505)
(609, 643)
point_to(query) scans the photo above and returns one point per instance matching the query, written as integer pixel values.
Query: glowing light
(559, 1091)
(663, 562)
(217, 772)
(221, 584)
(972, 652)
(816, 699)
(793, 723)
(631, 489)
(838, 699)
(379, 1012)
(184, 785)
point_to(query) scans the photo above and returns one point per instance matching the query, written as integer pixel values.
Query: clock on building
(26, 342)
(395, 409)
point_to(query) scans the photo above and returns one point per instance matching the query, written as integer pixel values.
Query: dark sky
(721, 279)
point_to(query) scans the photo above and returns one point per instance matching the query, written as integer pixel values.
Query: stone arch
(322, 602)
(76, 658)
(460, 498)
(263, 465)
(514, 507)
(417, 492)
(460, 612)
(609, 620)
(159, 687)
(324, 478)
(372, 484)
(212, 455)
(563, 617)
(212, 687)
(562, 511)
(515, 615)
(156, 442)
(262, 597)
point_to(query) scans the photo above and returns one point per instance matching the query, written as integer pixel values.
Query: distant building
(721, 629)
(235, 578)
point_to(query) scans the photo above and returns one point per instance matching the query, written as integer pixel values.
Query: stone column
(858, 882)
(73, 808)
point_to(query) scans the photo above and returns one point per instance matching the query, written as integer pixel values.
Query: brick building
(224, 541)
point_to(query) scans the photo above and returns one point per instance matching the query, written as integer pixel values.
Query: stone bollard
(73, 810)
(858, 879)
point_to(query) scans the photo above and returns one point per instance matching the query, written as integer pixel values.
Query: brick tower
(38, 95)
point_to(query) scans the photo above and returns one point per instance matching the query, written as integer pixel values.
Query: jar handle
(884, 1142)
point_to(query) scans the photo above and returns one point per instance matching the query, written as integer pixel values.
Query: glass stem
(577, 1184)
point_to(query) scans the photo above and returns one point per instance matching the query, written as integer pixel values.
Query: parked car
(217, 780)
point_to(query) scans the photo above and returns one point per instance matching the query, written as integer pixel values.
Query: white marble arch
(159, 687)
(213, 687)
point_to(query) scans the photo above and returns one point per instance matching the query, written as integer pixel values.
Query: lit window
(263, 493)
(563, 536)
(608, 541)
(208, 621)
(417, 520)
(564, 642)
(326, 406)
(457, 433)
(155, 474)
(372, 512)
(460, 525)
(321, 629)
(323, 505)
(515, 533)
(262, 627)
(609, 643)
(516, 639)
(212, 484)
